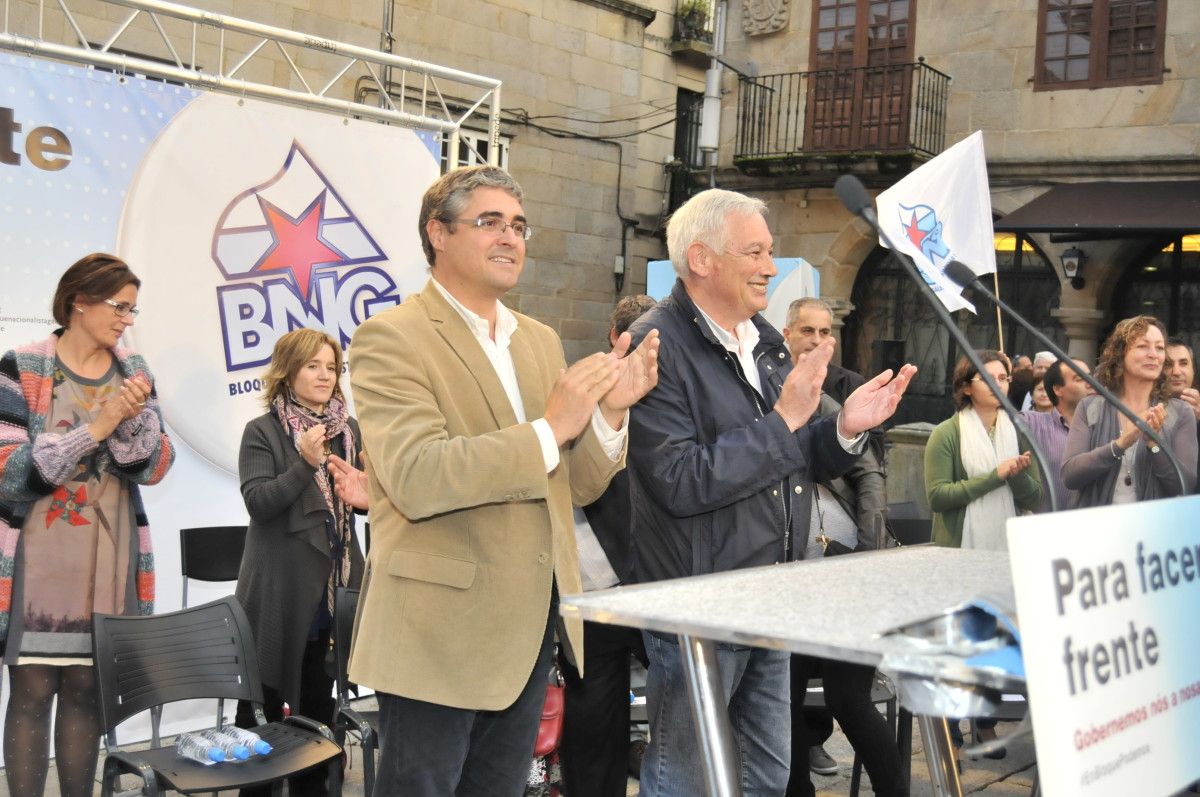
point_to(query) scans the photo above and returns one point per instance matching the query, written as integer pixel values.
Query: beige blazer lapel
(451, 326)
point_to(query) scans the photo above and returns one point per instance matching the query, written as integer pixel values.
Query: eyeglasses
(1003, 379)
(495, 225)
(122, 309)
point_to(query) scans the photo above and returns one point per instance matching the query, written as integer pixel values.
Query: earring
(77, 308)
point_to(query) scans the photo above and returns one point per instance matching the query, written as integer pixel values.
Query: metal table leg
(940, 755)
(712, 717)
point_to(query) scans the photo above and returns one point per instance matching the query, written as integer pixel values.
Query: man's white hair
(1044, 357)
(702, 218)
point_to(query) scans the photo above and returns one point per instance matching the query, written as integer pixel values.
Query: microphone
(964, 277)
(856, 200)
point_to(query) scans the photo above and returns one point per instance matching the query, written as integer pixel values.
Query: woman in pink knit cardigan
(79, 431)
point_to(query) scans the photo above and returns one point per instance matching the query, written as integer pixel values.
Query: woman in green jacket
(977, 474)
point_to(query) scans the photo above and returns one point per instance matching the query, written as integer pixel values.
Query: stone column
(1082, 325)
(841, 308)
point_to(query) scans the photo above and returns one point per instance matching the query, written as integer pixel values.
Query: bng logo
(296, 256)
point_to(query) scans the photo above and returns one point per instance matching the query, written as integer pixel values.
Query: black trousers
(848, 697)
(595, 744)
(316, 702)
(431, 750)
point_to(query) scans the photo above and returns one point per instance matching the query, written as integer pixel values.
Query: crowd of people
(497, 477)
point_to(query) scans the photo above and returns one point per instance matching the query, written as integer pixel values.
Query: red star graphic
(298, 245)
(914, 234)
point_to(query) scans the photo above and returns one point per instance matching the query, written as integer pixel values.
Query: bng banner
(243, 220)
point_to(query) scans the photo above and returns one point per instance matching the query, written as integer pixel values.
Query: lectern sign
(1107, 601)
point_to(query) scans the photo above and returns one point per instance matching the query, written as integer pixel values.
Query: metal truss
(430, 97)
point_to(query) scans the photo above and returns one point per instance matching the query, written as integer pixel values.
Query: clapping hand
(801, 393)
(312, 445)
(349, 482)
(1154, 417)
(1011, 467)
(637, 374)
(874, 402)
(127, 404)
(1192, 397)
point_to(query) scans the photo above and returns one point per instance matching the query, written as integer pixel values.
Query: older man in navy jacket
(723, 456)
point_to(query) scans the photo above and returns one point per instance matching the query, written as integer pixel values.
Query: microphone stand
(852, 194)
(965, 278)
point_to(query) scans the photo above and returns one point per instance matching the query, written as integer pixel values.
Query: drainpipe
(710, 114)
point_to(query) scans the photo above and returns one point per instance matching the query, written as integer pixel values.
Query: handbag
(829, 546)
(551, 726)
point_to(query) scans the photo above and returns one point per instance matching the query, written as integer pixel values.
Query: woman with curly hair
(80, 430)
(1107, 460)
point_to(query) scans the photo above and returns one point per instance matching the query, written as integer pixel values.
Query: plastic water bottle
(233, 749)
(256, 744)
(197, 748)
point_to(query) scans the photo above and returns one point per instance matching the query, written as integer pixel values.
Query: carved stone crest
(764, 16)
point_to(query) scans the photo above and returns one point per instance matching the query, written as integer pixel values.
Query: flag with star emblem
(943, 212)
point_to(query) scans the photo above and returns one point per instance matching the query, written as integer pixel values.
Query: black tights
(27, 729)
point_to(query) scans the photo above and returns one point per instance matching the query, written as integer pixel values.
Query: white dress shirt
(499, 355)
(741, 343)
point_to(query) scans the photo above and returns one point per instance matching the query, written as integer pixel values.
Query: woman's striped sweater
(34, 462)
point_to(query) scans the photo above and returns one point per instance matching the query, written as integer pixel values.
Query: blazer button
(799, 489)
(774, 492)
(543, 558)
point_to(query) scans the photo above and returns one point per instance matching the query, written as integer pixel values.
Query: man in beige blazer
(480, 441)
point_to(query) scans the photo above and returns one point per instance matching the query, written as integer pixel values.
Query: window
(689, 159)
(1094, 43)
(473, 149)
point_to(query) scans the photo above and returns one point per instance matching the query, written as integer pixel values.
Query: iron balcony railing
(866, 111)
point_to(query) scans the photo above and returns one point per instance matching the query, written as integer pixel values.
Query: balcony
(692, 37)
(882, 119)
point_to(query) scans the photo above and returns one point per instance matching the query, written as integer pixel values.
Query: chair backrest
(911, 531)
(345, 607)
(206, 651)
(211, 553)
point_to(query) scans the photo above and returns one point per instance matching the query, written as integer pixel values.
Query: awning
(1110, 210)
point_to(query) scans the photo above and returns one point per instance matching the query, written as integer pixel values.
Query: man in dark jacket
(722, 460)
(595, 747)
(810, 321)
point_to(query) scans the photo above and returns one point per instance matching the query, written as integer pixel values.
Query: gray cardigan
(286, 565)
(1091, 471)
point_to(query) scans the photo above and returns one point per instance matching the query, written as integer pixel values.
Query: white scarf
(983, 522)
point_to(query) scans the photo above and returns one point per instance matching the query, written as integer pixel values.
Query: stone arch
(840, 266)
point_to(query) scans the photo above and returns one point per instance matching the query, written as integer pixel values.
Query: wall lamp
(1072, 263)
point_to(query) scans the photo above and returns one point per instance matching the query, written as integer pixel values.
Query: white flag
(943, 212)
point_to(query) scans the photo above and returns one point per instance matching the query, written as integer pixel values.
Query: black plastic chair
(202, 652)
(912, 531)
(210, 553)
(362, 724)
(206, 553)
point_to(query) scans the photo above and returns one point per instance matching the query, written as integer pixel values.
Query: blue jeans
(756, 688)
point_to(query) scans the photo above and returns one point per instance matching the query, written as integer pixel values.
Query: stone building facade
(1037, 134)
(592, 123)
